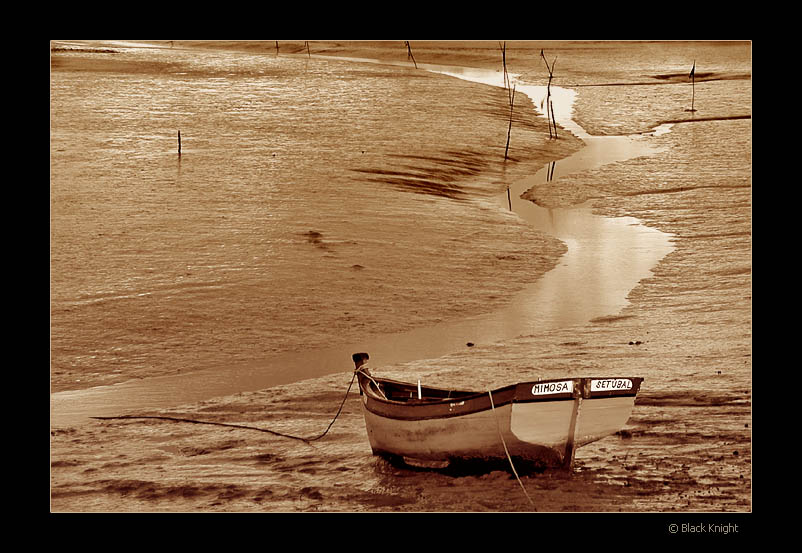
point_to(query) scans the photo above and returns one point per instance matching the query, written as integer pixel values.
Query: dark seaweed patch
(437, 175)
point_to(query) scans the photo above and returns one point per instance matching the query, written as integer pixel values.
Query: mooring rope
(353, 377)
(504, 443)
(241, 426)
(194, 421)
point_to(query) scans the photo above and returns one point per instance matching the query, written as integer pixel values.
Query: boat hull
(472, 437)
(538, 422)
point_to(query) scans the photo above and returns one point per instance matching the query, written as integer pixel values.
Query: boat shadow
(459, 468)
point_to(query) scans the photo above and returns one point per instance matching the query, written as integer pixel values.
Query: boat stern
(569, 413)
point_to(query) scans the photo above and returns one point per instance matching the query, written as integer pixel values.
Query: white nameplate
(546, 388)
(610, 384)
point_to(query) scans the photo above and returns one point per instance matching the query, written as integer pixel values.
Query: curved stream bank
(606, 258)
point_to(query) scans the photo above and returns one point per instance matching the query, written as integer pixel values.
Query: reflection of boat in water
(539, 423)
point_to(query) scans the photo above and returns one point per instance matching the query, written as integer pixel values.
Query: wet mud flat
(303, 228)
(686, 448)
(687, 330)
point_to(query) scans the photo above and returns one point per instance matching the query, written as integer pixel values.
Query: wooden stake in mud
(692, 77)
(409, 53)
(549, 104)
(179, 142)
(510, 94)
(509, 129)
(503, 48)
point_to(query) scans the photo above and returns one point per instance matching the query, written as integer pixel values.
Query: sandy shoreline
(687, 330)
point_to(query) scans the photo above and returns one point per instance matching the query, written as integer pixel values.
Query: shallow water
(264, 264)
(605, 259)
(271, 232)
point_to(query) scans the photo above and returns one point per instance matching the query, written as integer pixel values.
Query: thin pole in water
(179, 142)
(549, 104)
(503, 48)
(409, 53)
(509, 128)
(510, 95)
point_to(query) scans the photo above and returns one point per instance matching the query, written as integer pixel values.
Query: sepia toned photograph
(402, 276)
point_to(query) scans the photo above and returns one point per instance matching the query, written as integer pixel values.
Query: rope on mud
(504, 443)
(240, 426)
(353, 377)
(194, 421)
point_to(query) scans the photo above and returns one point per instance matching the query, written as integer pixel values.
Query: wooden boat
(541, 423)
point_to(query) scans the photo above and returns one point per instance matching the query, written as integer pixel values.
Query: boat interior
(411, 393)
